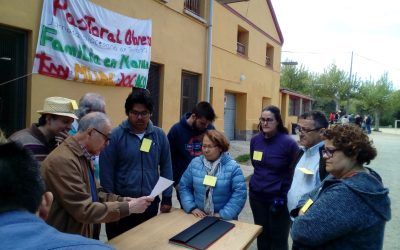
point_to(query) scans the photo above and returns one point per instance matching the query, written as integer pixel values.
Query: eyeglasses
(206, 147)
(268, 120)
(306, 131)
(328, 152)
(137, 113)
(106, 137)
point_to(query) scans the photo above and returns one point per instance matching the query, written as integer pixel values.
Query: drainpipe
(209, 47)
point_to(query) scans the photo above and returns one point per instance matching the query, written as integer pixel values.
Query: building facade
(245, 62)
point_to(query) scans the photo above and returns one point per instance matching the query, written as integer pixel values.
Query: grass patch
(243, 158)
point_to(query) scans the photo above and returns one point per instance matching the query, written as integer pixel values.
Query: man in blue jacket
(23, 199)
(137, 154)
(185, 139)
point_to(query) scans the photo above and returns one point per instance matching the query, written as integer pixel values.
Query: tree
(334, 84)
(375, 97)
(295, 78)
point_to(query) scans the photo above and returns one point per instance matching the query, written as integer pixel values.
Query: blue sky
(318, 33)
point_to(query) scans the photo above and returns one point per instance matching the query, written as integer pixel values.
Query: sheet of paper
(161, 185)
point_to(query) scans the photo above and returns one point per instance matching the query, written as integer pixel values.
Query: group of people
(320, 192)
(363, 122)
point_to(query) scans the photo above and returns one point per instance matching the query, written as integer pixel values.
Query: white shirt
(306, 175)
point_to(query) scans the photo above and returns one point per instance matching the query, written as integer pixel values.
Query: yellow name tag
(306, 206)
(74, 105)
(306, 171)
(210, 180)
(257, 155)
(146, 144)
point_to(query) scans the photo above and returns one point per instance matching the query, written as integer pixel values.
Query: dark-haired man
(138, 154)
(310, 166)
(55, 121)
(186, 136)
(22, 195)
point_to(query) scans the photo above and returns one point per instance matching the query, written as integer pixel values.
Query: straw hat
(59, 106)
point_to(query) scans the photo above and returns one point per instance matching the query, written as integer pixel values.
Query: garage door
(229, 115)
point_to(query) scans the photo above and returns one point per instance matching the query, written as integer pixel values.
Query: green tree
(375, 97)
(295, 78)
(334, 84)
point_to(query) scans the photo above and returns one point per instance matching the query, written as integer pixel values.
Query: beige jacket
(65, 172)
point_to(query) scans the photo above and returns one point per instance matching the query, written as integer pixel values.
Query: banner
(80, 41)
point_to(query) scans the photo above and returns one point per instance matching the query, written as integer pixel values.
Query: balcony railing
(193, 6)
(241, 48)
(268, 61)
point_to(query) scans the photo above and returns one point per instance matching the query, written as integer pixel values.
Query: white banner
(81, 41)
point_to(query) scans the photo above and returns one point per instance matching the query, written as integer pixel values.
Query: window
(195, 7)
(189, 91)
(242, 41)
(153, 85)
(294, 106)
(269, 57)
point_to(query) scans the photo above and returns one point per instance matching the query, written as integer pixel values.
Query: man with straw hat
(54, 123)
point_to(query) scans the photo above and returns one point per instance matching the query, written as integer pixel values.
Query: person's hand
(198, 213)
(165, 208)
(217, 215)
(60, 137)
(139, 205)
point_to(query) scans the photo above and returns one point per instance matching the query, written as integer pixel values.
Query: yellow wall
(262, 82)
(178, 43)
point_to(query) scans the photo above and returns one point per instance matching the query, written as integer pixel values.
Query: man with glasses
(309, 165)
(25, 205)
(137, 155)
(185, 139)
(79, 204)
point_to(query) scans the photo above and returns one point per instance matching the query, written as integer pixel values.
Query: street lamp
(292, 63)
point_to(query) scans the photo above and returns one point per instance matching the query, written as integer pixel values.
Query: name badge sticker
(257, 155)
(306, 206)
(306, 171)
(210, 180)
(146, 144)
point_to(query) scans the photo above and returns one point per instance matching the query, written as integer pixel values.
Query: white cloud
(321, 32)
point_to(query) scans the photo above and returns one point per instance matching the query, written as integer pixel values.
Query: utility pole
(350, 81)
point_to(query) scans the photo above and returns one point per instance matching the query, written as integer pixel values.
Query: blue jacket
(127, 171)
(230, 192)
(273, 173)
(347, 213)
(23, 230)
(185, 143)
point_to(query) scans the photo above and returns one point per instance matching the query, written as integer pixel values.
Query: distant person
(358, 120)
(345, 119)
(79, 204)
(89, 102)
(23, 200)
(368, 123)
(54, 123)
(225, 192)
(272, 152)
(331, 118)
(185, 139)
(310, 166)
(138, 154)
(350, 208)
